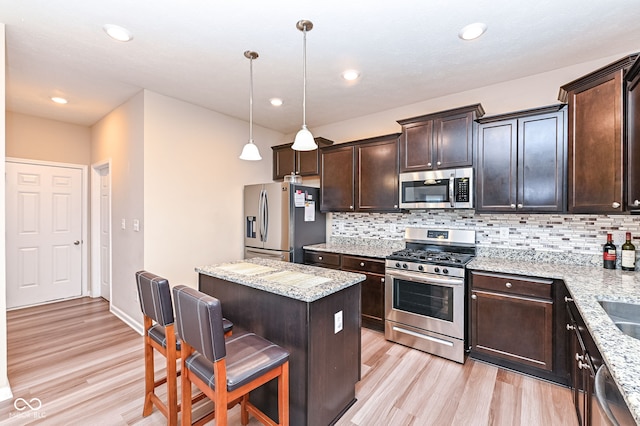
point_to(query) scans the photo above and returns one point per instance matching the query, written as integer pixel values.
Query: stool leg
(244, 413)
(149, 371)
(283, 395)
(185, 384)
(172, 385)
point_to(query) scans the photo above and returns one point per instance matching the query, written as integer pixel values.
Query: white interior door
(105, 233)
(44, 233)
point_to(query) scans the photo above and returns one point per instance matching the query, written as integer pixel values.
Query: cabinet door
(337, 176)
(541, 162)
(416, 147)
(454, 141)
(633, 135)
(518, 329)
(308, 163)
(284, 161)
(377, 176)
(496, 168)
(595, 146)
(372, 288)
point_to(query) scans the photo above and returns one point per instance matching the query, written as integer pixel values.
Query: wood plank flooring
(86, 368)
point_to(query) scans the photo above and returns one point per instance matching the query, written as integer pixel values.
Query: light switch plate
(337, 322)
(123, 224)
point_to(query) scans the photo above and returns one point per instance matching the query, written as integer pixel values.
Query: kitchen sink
(626, 316)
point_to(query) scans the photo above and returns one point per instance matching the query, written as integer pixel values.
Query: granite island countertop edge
(587, 285)
(338, 280)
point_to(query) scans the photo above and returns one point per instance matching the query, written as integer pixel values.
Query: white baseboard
(5, 392)
(137, 326)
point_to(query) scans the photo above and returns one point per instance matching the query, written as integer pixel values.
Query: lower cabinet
(514, 323)
(372, 294)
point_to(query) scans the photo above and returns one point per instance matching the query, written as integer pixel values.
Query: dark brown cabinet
(360, 175)
(633, 137)
(304, 163)
(595, 152)
(440, 140)
(521, 161)
(372, 288)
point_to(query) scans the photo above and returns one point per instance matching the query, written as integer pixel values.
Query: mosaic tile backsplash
(578, 234)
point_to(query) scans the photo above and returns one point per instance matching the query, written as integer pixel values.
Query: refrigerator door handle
(260, 209)
(265, 216)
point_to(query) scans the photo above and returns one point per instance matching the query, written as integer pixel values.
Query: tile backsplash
(580, 234)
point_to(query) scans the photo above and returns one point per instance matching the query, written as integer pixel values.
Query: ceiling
(406, 51)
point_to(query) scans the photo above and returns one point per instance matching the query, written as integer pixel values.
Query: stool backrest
(199, 322)
(155, 297)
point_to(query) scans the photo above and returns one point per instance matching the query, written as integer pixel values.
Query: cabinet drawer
(510, 284)
(322, 258)
(363, 264)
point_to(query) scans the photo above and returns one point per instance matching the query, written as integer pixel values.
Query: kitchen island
(312, 312)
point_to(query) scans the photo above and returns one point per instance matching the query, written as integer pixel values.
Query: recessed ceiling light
(472, 31)
(276, 102)
(59, 100)
(350, 75)
(117, 32)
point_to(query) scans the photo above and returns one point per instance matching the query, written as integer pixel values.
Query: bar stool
(159, 334)
(225, 370)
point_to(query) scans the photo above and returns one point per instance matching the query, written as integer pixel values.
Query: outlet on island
(337, 322)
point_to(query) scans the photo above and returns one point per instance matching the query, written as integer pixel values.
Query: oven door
(425, 301)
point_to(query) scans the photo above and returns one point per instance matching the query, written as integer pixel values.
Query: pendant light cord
(304, 74)
(251, 100)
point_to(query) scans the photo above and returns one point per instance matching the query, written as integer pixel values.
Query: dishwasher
(611, 404)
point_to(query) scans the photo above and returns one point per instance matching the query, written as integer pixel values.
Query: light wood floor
(86, 367)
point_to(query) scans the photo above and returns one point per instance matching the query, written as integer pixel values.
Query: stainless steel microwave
(437, 189)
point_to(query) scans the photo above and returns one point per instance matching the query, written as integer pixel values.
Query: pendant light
(250, 151)
(304, 139)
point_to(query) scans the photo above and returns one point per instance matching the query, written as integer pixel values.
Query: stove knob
(436, 269)
(404, 265)
(397, 264)
(445, 271)
(420, 268)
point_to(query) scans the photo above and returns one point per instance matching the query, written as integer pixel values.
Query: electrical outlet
(337, 322)
(136, 225)
(123, 224)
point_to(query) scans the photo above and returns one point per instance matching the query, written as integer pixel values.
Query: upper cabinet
(521, 161)
(633, 137)
(304, 163)
(596, 139)
(360, 175)
(440, 140)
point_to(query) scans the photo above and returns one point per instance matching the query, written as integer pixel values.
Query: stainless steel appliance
(611, 409)
(437, 189)
(425, 291)
(279, 219)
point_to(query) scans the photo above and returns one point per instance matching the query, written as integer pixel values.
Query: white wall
(193, 185)
(5, 390)
(42, 139)
(119, 136)
(529, 92)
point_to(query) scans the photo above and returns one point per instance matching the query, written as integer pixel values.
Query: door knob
(76, 242)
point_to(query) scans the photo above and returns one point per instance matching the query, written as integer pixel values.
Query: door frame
(84, 274)
(95, 228)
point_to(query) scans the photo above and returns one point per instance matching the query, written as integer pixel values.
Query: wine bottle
(609, 253)
(628, 255)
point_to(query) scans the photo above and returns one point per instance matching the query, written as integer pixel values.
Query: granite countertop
(587, 285)
(366, 250)
(301, 282)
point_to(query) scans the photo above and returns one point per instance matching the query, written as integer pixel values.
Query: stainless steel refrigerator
(281, 218)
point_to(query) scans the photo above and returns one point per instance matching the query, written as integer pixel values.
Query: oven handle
(426, 278)
(422, 336)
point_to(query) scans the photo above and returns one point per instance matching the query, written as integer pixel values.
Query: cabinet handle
(361, 263)
(520, 206)
(319, 257)
(351, 207)
(615, 204)
(513, 206)
(636, 203)
(428, 164)
(395, 206)
(508, 285)
(474, 297)
(570, 327)
(438, 163)
(583, 365)
(567, 299)
(381, 279)
(579, 357)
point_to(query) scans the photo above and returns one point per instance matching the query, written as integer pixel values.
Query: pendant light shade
(250, 151)
(304, 139)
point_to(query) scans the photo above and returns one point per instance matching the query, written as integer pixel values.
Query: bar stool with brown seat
(159, 334)
(225, 370)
